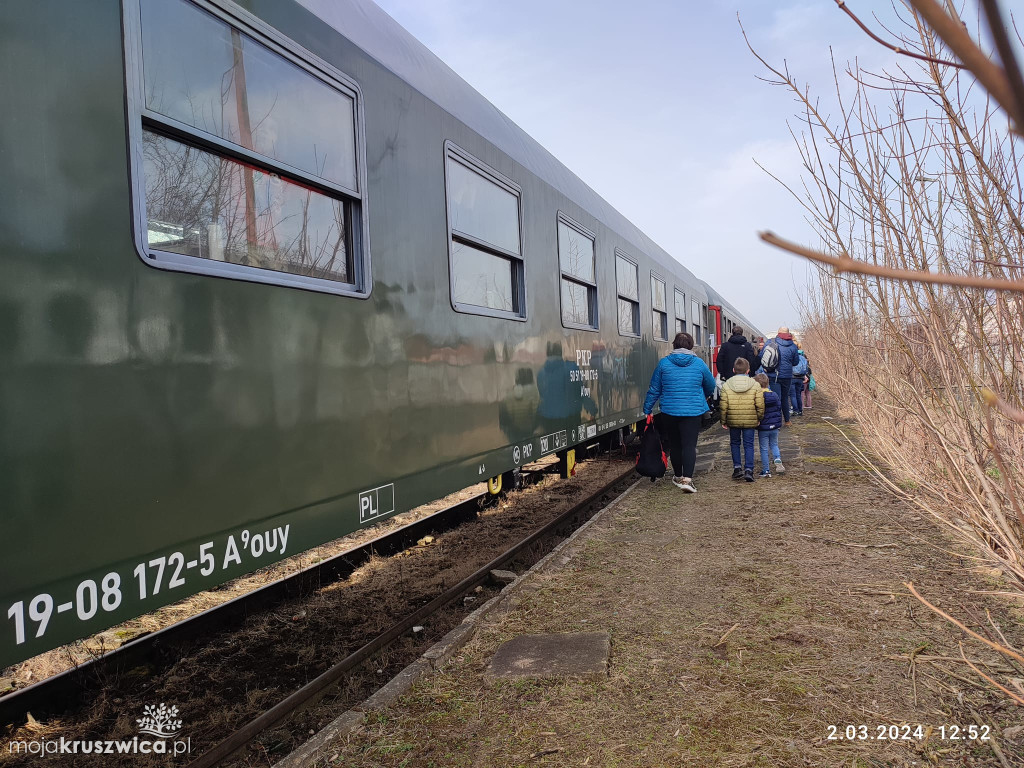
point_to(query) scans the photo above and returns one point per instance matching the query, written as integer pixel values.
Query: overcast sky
(657, 106)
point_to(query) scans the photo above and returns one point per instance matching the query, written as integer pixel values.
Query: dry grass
(826, 635)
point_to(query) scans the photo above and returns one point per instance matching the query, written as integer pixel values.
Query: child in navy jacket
(768, 429)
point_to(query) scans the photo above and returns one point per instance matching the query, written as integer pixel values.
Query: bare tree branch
(845, 264)
(990, 75)
(893, 47)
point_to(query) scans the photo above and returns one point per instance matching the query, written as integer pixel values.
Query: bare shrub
(920, 173)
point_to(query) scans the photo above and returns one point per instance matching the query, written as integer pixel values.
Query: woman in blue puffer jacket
(683, 383)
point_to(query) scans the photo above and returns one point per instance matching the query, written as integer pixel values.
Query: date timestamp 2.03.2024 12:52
(907, 732)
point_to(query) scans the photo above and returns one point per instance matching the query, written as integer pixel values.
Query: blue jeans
(796, 396)
(769, 439)
(747, 435)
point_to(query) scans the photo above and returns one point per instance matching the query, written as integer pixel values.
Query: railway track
(66, 697)
(70, 689)
(303, 697)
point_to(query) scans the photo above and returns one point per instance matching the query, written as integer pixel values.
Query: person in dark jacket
(768, 429)
(796, 392)
(683, 382)
(780, 377)
(736, 347)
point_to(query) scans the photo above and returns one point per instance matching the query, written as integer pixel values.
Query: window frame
(695, 326)
(675, 307)
(664, 287)
(562, 218)
(619, 296)
(454, 152)
(141, 119)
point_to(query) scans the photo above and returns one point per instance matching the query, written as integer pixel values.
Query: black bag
(651, 461)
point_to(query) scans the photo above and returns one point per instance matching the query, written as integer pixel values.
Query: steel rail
(65, 691)
(318, 686)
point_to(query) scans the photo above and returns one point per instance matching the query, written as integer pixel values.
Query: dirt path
(817, 635)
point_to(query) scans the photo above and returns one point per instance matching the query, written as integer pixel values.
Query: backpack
(770, 357)
(651, 460)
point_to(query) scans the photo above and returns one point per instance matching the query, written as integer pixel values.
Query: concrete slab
(440, 652)
(582, 655)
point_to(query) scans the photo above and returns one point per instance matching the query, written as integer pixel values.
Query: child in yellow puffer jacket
(742, 408)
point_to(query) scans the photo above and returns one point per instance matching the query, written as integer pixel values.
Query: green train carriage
(270, 272)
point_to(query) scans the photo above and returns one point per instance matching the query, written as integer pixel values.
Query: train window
(627, 279)
(695, 321)
(247, 154)
(484, 239)
(481, 279)
(223, 82)
(264, 221)
(579, 275)
(482, 209)
(659, 307)
(680, 305)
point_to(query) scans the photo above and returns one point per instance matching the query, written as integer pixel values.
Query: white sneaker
(779, 468)
(686, 484)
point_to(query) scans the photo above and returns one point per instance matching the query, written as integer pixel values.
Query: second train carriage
(270, 272)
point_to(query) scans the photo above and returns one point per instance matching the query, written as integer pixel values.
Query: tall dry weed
(921, 172)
